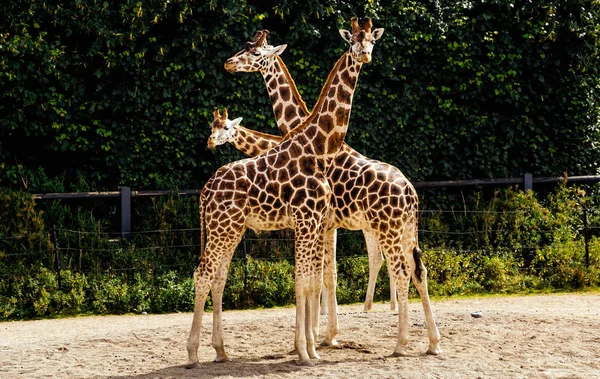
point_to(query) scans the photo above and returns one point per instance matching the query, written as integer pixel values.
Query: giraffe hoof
(333, 343)
(434, 351)
(397, 354)
(306, 363)
(193, 365)
(222, 359)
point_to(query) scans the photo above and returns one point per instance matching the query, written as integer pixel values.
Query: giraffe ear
(236, 122)
(279, 49)
(273, 51)
(346, 35)
(377, 33)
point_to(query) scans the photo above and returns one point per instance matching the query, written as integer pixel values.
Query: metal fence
(71, 247)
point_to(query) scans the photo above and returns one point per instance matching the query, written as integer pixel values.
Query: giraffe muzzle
(365, 58)
(230, 66)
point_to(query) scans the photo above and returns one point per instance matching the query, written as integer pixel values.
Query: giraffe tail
(417, 253)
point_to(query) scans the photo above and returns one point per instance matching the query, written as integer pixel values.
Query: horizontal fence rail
(125, 193)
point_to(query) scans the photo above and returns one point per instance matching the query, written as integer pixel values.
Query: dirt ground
(541, 336)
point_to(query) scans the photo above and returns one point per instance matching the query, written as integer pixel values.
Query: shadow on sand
(237, 368)
(247, 367)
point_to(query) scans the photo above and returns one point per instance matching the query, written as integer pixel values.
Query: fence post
(56, 256)
(527, 182)
(125, 212)
(586, 237)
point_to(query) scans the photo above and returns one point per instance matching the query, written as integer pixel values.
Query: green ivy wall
(122, 93)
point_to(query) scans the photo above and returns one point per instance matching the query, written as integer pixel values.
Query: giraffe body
(369, 195)
(284, 188)
(290, 110)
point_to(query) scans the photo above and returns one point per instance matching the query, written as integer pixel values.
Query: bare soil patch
(541, 336)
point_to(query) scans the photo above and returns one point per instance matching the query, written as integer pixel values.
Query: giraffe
(353, 209)
(283, 188)
(290, 110)
(225, 130)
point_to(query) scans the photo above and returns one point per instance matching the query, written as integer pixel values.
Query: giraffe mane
(262, 135)
(292, 85)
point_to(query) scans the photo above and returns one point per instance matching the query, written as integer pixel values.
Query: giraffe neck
(251, 142)
(325, 128)
(288, 106)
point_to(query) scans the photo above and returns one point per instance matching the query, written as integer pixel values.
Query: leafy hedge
(512, 242)
(121, 93)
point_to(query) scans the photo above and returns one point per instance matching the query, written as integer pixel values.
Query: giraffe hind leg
(217, 299)
(202, 286)
(420, 282)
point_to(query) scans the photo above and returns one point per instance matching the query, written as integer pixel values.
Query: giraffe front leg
(375, 263)
(312, 326)
(217, 298)
(301, 288)
(202, 286)
(330, 282)
(393, 292)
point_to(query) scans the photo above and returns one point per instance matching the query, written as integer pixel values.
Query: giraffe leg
(330, 282)
(300, 343)
(217, 300)
(375, 263)
(202, 285)
(308, 274)
(313, 317)
(393, 292)
(421, 285)
(402, 281)
(324, 300)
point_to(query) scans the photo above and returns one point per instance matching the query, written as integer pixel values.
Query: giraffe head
(362, 39)
(222, 128)
(255, 56)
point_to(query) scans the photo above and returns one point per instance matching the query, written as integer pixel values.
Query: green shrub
(109, 293)
(269, 283)
(561, 265)
(500, 275)
(172, 293)
(449, 272)
(353, 278)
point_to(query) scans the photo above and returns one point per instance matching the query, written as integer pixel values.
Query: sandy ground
(542, 336)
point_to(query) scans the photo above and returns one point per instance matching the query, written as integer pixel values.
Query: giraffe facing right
(290, 110)
(368, 195)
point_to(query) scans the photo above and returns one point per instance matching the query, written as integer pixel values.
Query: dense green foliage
(122, 92)
(100, 94)
(512, 242)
